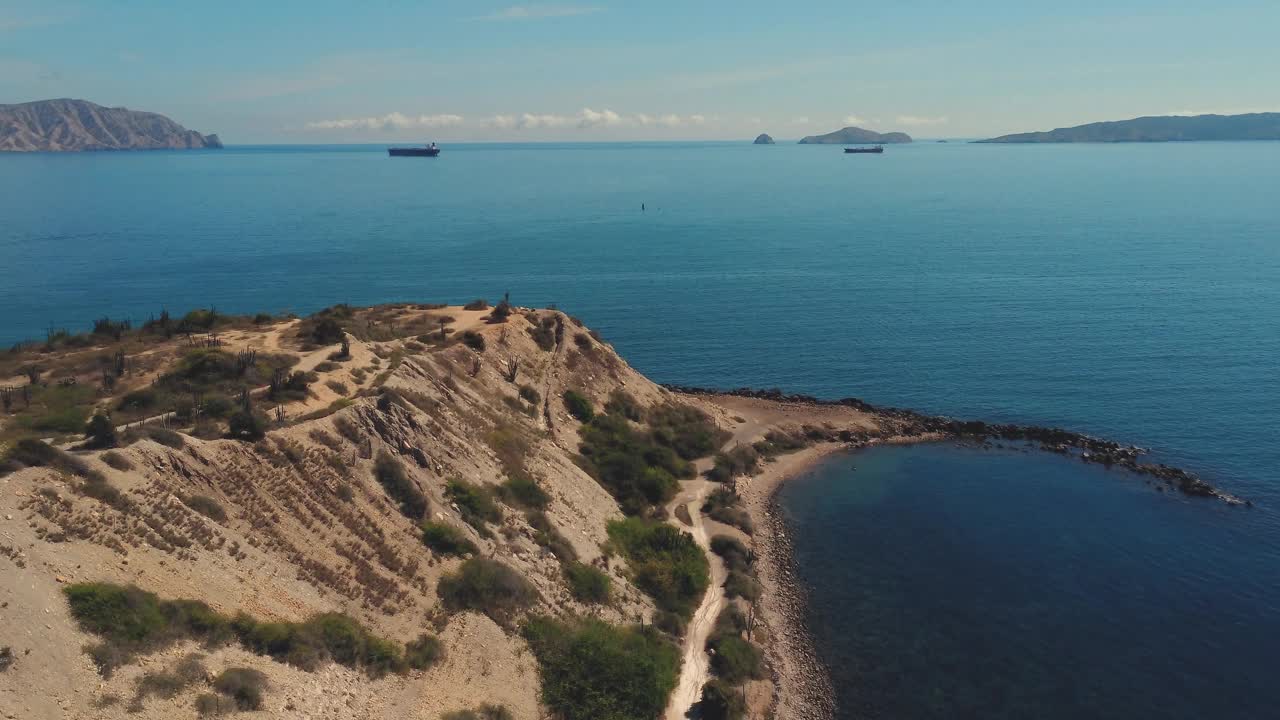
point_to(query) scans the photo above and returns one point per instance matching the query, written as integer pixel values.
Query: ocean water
(1131, 291)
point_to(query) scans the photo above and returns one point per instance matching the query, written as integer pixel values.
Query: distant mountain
(73, 125)
(763, 139)
(855, 136)
(1254, 126)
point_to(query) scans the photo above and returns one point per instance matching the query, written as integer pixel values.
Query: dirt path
(695, 669)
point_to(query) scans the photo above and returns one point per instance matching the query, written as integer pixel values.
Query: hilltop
(75, 125)
(854, 136)
(407, 511)
(1254, 126)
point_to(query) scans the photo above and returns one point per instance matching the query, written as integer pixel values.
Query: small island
(67, 125)
(855, 136)
(1173, 128)
(763, 139)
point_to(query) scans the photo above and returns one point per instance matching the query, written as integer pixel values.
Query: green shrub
(424, 652)
(578, 406)
(530, 394)
(473, 340)
(475, 503)
(544, 333)
(740, 460)
(722, 505)
(622, 403)
(244, 686)
(734, 659)
(168, 683)
(487, 586)
(157, 433)
(327, 331)
(736, 555)
(477, 304)
(777, 442)
(117, 461)
(100, 432)
(546, 535)
(486, 711)
(207, 507)
(523, 492)
(666, 562)
(720, 701)
(634, 469)
(594, 671)
(587, 584)
(445, 539)
(686, 430)
(669, 623)
(247, 425)
(391, 474)
(741, 585)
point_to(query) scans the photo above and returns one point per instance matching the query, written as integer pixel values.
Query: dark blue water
(958, 583)
(1131, 291)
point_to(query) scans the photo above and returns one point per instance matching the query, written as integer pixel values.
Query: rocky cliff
(75, 125)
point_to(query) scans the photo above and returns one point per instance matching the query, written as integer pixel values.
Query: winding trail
(695, 669)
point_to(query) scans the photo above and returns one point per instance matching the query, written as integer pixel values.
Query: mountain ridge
(1159, 128)
(71, 125)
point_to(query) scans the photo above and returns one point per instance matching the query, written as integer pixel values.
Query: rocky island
(1172, 128)
(67, 125)
(763, 139)
(408, 510)
(856, 136)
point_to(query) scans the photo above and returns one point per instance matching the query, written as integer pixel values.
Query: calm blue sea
(1131, 291)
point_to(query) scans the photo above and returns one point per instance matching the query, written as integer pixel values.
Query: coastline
(802, 682)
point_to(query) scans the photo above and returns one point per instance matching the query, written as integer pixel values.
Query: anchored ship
(877, 149)
(424, 151)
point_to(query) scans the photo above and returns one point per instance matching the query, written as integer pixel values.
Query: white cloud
(538, 12)
(390, 121)
(800, 120)
(917, 121)
(589, 118)
(697, 119)
(854, 120)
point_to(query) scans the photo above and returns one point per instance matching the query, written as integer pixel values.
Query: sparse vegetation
(157, 433)
(622, 403)
(100, 432)
(475, 503)
(594, 671)
(489, 587)
(207, 507)
(168, 683)
(423, 652)
(486, 711)
(723, 505)
(445, 539)
(665, 562)
(739, 460)
(116, 461)
(638, 472)
(742, 585)
(404, 492)
(587, 584)
(720, 701)
(245, 686)
(337, 387)
(477, 304)
(529, 394)
(520, 491)
(473, 340)
(247, 425)
(737, 557)
(686, 430)
(578, 406)
(544, 331)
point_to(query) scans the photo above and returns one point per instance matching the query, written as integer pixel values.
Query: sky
(280, 71)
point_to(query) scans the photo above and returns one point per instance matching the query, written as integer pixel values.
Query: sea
(1130, 291)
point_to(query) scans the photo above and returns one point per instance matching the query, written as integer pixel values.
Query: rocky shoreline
(1056, 440)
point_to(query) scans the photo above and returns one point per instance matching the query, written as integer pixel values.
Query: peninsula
(1170, 128)
(66, 125)
(855, 136)
(421, 509)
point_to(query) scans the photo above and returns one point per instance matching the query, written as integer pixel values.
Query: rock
(763, 139)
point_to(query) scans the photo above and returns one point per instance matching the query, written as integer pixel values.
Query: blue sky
(321, 71)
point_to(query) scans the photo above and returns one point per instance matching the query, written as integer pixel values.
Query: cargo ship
(877, 149)
(424, 151)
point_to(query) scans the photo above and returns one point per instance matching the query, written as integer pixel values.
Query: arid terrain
(444, 478)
